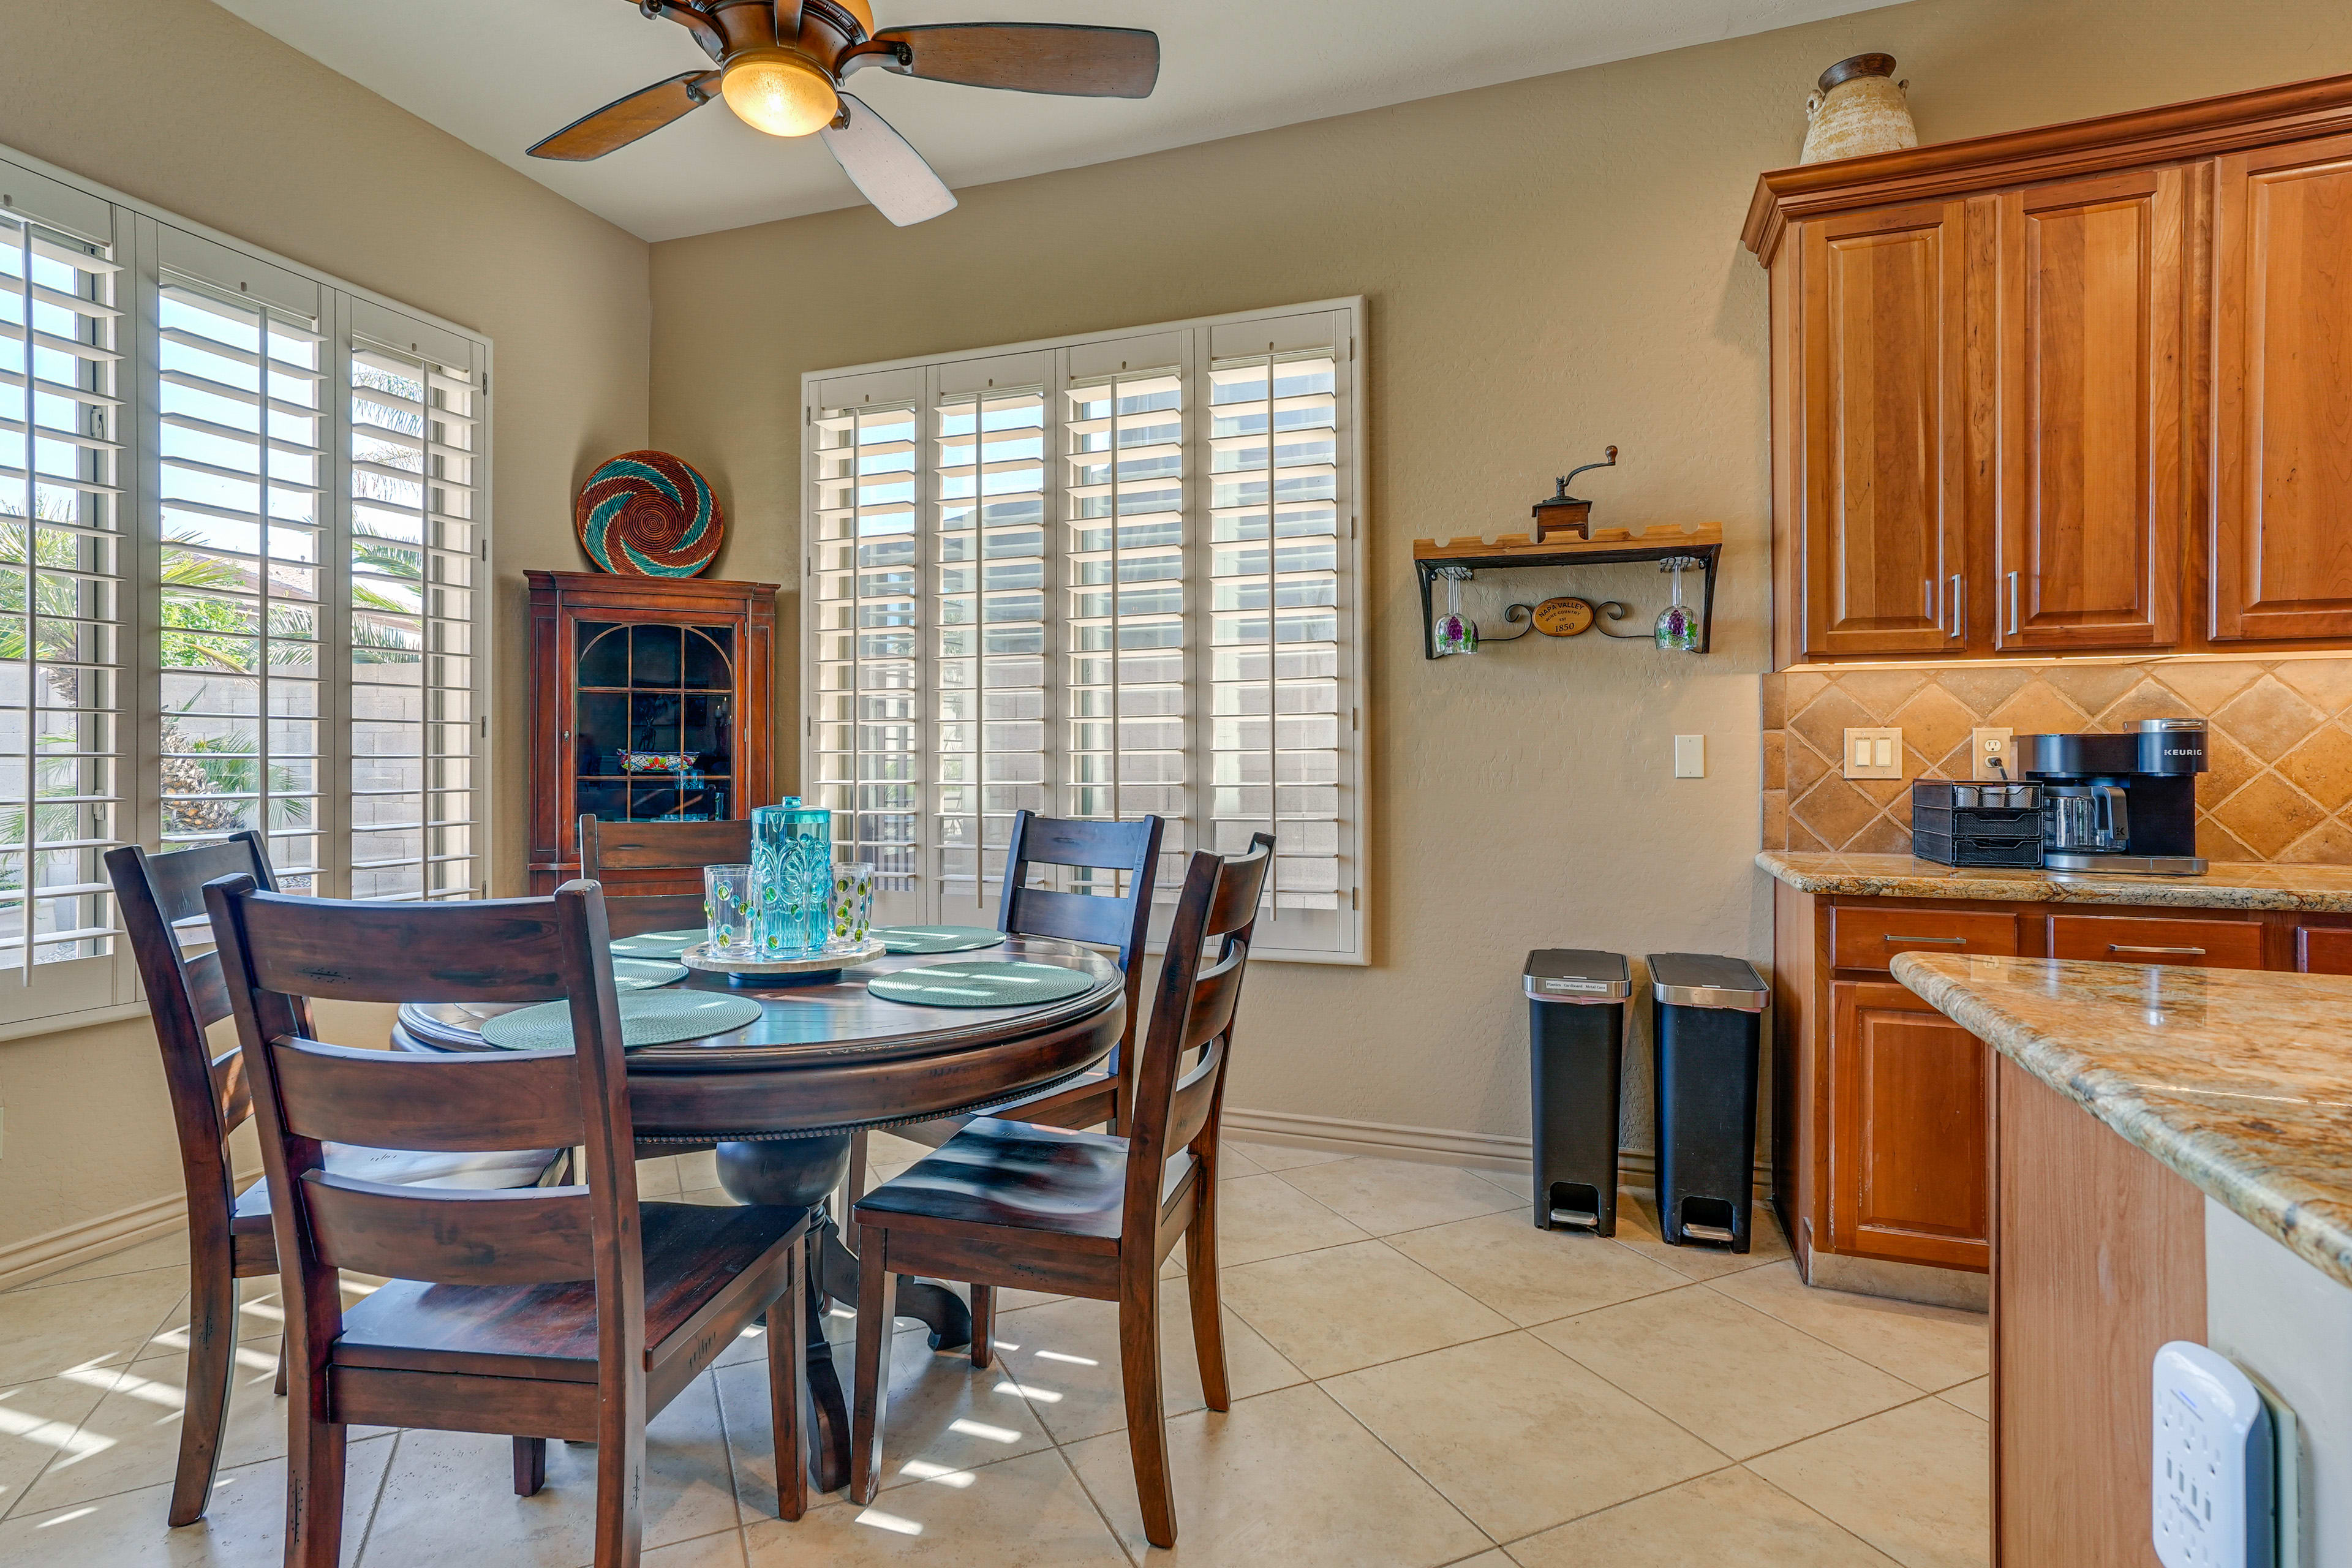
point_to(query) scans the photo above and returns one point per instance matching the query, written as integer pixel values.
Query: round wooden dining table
(781, 1097)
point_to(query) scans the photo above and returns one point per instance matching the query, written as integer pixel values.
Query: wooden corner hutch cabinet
(2070, 389)
(645, 665)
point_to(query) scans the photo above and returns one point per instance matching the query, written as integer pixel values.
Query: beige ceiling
(500, 74)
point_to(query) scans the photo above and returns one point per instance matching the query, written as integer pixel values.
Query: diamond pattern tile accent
(2280, 746)
(2269, 814)
(2268, 718)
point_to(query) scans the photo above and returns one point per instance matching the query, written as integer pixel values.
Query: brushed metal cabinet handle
(1962, 939)
(2012, 603)
(1959, 600)
(1928, 604)
(2185, 952)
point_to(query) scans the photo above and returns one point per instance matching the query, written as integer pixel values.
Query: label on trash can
(1589, 986)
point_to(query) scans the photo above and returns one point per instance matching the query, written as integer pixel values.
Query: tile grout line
(1808, 1333)
(383, 1483)
(129, 1360)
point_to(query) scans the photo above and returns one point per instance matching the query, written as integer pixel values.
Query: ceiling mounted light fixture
(779, 91)
(779, 65)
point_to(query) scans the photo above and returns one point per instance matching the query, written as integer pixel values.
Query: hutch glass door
(654, 725)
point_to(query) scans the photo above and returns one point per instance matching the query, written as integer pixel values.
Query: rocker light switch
(1874, 754)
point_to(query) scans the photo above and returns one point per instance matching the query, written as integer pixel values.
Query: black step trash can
(1705, 1021)
(1576, 1051)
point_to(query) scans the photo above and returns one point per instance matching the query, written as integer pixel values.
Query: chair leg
(1147, 1428)
(857, 1169)
(620, 1478)
(314, 1493)
(1208, 1311)
(877, 1309)
(787, 1353)
(212, 1362)
(530, 1465)
(278, 1387)
(983, 1325)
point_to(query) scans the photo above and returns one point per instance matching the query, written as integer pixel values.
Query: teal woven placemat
(938, 939)
(645, 973)
(990, 983)
(656, 944)
(648, 1018)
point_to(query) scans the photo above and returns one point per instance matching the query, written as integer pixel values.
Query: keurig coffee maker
(2120, 803)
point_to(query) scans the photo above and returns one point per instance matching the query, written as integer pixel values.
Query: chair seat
(692, 1251)
(409, 1168)
(1020, 1176)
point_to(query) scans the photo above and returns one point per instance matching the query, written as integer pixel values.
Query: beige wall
(181, 104)
(1552, 265)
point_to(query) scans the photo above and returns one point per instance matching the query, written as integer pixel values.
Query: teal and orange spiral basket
(648, 514)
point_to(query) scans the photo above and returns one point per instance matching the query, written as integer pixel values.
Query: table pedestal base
(801, 1172)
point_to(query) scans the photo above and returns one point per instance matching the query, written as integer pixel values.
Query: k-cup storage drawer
(1869, 937)
(2139, 938)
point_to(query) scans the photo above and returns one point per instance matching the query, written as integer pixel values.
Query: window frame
(1351, 398)
(137, 234)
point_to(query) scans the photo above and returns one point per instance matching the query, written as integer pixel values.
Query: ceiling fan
(780, 63)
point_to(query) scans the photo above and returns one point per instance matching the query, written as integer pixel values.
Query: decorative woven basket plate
(648, 514)
(657, 944)
(828, 961)
(989, 983)
(645, 973)
(939, 939)
(648, 1018)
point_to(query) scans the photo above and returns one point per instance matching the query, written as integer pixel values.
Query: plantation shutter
(1095, 579)
(64, 340)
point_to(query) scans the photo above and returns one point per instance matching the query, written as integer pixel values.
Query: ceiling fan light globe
(780, 91)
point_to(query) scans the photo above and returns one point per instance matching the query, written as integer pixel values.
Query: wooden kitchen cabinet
(2086, 540)
(2282, 389)
(1885, 406)
(2014, 377)
(1906, 1167)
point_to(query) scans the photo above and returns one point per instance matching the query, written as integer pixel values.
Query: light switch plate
(1873, 754)
(1690, 756)
(1987, 746)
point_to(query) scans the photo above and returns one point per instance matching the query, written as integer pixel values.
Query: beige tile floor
(1419, 1378)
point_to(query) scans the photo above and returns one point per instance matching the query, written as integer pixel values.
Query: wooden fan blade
(624, 120)
(1027, 57)
(885, 169)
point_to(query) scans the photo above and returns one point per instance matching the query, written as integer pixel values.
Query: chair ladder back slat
(450, 1235)
(634, 914)
(683, 846)
(1156, 1127)
(1215, 996)
(1073, 917)
(232, 1090)
(487, 950)
(434, 1104)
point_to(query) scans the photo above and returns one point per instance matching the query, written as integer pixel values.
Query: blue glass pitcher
(792, 878)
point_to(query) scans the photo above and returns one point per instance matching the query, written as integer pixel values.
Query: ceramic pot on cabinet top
(1859, 109)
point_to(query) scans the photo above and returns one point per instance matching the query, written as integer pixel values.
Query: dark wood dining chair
(574, 1312)
(229, 1236)
(1093, 1214)
(662, 864)
(1122, 851)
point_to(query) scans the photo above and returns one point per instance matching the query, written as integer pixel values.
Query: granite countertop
(2229, 885)
(2239, 1081)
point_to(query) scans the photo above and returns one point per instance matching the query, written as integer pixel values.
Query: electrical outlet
(1874, 754)
(1690, 756)
(1992, 754)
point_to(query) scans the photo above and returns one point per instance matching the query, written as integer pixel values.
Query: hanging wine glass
(1678, 623)
(1453, 632)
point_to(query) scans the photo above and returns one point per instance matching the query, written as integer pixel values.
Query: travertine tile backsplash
(2280, 788)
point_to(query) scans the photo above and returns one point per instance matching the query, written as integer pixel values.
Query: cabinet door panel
(2087, 540)
(2283, 370)
(1883, 390)
(1907, 1171)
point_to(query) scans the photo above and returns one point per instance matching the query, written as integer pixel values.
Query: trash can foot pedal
(1576, 1217)
(1715, 1233)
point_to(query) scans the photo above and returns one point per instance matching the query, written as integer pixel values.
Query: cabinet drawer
(1870, 937)
(2138, 938)
(2324, 949)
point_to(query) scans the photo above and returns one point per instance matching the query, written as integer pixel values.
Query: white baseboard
(24, 1261)
(1430, 1145)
